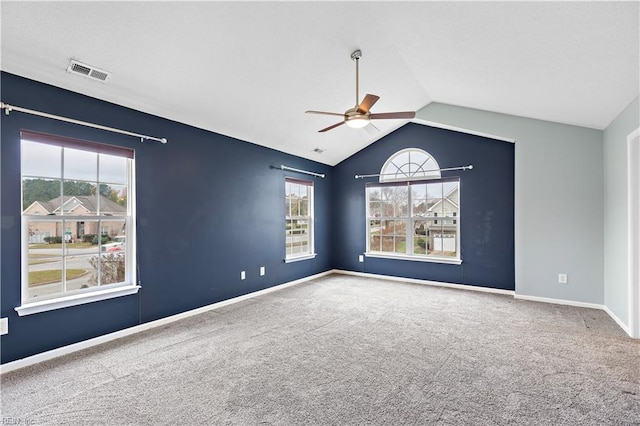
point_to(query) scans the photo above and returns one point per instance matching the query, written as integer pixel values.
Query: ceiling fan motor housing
(353, 117)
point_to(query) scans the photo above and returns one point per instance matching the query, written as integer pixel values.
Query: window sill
(299, 258)
(446, 260)
(74, 300)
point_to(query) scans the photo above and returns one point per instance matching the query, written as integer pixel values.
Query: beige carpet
(342, 350)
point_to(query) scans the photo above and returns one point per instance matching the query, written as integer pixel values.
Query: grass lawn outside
(401, 248)
(52, 276)
(57, 246)
(297, 244)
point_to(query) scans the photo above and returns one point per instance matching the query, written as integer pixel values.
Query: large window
(413, 213)
(77, 218)
(298, 219)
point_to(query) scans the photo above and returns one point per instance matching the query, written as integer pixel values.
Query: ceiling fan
(360, 115)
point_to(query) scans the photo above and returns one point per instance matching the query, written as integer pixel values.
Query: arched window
(410, 164)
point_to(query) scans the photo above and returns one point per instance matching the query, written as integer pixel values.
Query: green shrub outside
(53, 240)
(105, 239)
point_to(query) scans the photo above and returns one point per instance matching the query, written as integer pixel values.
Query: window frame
(419, 172)
(409, 220)
(30, 306)
(289, 258)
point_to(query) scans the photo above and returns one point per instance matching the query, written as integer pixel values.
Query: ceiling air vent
(88, 71)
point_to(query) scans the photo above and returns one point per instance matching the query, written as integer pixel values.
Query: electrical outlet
(361, 258)
(243, 275)
(4, 326)
(262, 272)
(562, 278)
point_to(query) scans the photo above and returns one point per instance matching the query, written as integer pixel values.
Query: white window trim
(312, 249)
(292, 259)
(414, 258)
(29, 307)
(75, 299)
(385, 175)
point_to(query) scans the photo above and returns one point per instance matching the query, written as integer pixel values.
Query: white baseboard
(622, 325)
(613, 316)
(55, 353)
(427, 282)
(493, 290)
(559, 301)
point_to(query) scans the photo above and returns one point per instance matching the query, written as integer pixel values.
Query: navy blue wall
(208, 206)
(486, 207)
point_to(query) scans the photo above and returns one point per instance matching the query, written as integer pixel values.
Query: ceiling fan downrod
(356, 55)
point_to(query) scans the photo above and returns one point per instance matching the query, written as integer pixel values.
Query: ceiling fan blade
(331, 127)
(387, 115)
(368, 101)
(324, 113)
(371, 128)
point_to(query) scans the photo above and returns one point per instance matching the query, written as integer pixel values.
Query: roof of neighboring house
(447, 198)
(89, 202)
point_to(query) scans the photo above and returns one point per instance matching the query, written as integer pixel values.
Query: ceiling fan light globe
(357, 122)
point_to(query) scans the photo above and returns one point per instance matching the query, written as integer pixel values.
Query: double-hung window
(77, 222)
(298, 220)
(413, 213)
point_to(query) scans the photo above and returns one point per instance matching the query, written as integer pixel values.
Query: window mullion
(62, 182)
(98, 206)
(409, 221)
(99, 262)
(64, 262)
(64, 256)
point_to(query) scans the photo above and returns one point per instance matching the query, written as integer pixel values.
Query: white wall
(559, 195)
(615, 216)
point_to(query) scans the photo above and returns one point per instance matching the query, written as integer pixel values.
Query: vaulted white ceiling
(250, 69)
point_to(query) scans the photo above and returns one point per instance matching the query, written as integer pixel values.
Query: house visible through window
(298, 219)
(77, 216)
(413, 213)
